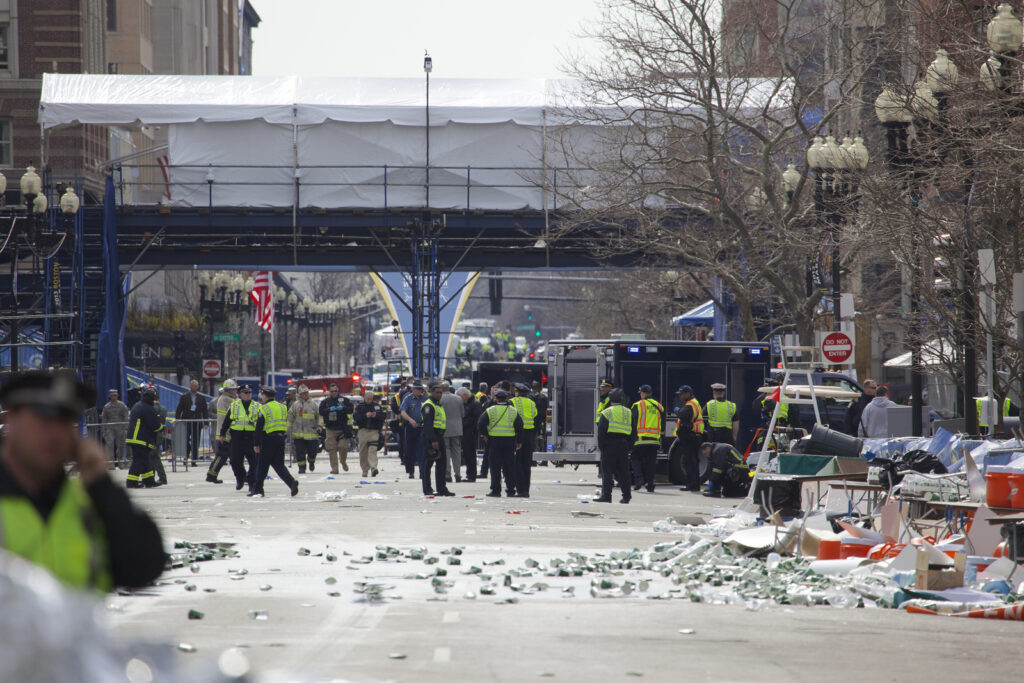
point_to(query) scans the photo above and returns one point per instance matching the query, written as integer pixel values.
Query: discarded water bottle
(772, 561)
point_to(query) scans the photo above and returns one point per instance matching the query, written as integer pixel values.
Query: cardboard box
(939, 578)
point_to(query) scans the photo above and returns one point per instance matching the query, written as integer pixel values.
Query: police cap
(501, 395)
(718, 386)
(685, 389)
(646, 389)
(245, 389)
(269, 391)
(51, 394)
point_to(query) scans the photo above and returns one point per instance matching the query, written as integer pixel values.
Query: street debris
(195, 614)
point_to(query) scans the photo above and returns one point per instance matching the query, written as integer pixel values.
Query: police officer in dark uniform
(503, 428)
(615, 433)
(83, 528)
(690, 434)
(527, 411)
(144, 428)
(271, 426)
(434, 421)
(241, 420)
(540, 427)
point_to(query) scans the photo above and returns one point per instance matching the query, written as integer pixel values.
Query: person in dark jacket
(503, 428)
(471, 412)
(336, 412)
(369, 418)
(730, 474)
(615, 433)
(40, 504)
(268, 443)
(144, 430)
(852, 423)
(192, 407)
(541, 400)
(433, 422)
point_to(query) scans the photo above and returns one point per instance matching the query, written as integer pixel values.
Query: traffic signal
(528, 311)
(536, 331)
(494, 292)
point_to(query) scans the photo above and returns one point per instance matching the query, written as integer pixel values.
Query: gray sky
(466, 38)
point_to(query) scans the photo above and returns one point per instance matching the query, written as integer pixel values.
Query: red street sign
(837, 348)
(211, 369)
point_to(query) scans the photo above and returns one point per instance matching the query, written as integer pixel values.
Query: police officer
(335, 412)
(527, 411)
(766, 404)
(723, 424)
(614, 435)
(602, 402)
(229, 393)
(540, 427)
(471, 412)
(412, 439)
(271, 426)
(504, 429)
(83, 529)
(646, 417)
(730, 474)
(144, 428)
(689, 434)
(305, 424)
(434, 422)
(483, 394)
(115, 428)
(241, 422)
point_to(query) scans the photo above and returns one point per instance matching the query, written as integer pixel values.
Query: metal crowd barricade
(178, 433)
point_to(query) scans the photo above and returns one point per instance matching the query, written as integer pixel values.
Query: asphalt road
(281, 615)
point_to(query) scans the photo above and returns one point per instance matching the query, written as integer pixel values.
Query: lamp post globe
(69, 202)
(1004, 31)
(942, 74)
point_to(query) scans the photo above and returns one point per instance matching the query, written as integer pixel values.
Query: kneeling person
(730, 474)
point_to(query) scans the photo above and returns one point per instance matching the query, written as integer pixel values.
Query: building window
(5, 62)
(112, 67)
(112, 15)
(6, 155)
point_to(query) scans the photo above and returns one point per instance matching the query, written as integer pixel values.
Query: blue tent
(701, 315)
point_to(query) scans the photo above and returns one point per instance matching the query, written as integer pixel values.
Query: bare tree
(695, 114)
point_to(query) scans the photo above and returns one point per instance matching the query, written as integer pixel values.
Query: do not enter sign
(211, 369)
(837, 348)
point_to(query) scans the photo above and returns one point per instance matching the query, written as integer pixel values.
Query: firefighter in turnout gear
(434, 422)
(144, 428)
(730, 474)
(241, 422)
(614, 435)
(306, 423)
(504, 428)
(229, 393)
(690, 434)
(271, 426)
(723, 424)
(647, 418)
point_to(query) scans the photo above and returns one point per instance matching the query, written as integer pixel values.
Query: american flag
(262, 295)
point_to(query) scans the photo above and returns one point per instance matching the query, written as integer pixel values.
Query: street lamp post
(835, 191)
(428, 66)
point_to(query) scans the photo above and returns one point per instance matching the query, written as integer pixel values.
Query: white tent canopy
(333, 142)
(933, 353)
